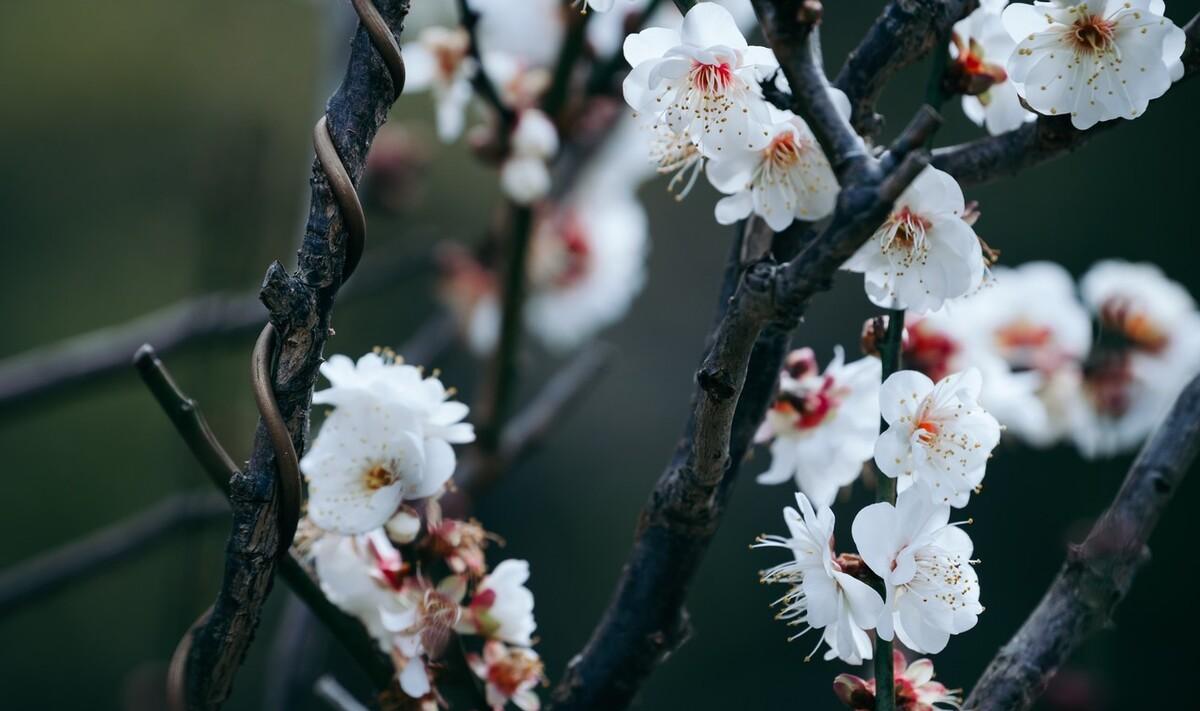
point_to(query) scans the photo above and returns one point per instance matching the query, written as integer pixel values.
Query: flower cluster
(1046, 378)
(699, 91)
(413, 577)
(910, 550)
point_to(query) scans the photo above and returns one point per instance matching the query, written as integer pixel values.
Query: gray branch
(761, 302)
(902, 34)
(300, 307)
(35, 580)
(1098, 573)
(94, 357)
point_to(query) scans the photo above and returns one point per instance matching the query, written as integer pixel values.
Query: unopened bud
(855, 693)
(873, 331)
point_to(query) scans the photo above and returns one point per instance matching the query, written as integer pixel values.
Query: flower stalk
(890, 352)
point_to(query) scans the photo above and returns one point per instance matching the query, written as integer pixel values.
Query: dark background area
(152, 151)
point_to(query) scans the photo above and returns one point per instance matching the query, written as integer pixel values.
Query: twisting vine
(263, 360)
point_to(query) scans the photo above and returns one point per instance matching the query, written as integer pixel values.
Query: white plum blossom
(938, 436)
(389, 440)
(1147, 350)
(925, 252)
(524, 176)
(788, 179)
(439, 61)
(701, 81)
(587, 263)
(822, 427)
(925, 563)
(510, 674)
(1095, 60)
(506, 27)
(1029, 335)
(981, 49)
(502, 607)
(362, 575)
(822, 596)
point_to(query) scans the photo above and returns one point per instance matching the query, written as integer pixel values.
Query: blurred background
(154, 151)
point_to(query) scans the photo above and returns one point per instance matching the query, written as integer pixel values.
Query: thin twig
(49, 572)
(483, 84)
(991, 157)
(529, 427)
(495, 400)
(219, 467)
(1098, 573)
(902, 34)
(93, 357)
(300, 305)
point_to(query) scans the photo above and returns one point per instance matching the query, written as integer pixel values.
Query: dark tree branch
(300, 305)
(219, 467)
(92, 357)
(900, 36)
(1049, 137)
(36, 579)
(761, 302)
(791, 28)
(1098, 573)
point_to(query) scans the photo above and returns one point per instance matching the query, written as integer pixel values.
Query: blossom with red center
(914, 686)
(511, 673)
(981, 47)
(701, 81)
(502, 607)
(821, 427)
(925, 252)
(1095, 60)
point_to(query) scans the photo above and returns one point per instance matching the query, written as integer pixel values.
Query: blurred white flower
(822, 596)
(438, 60)
(790, 179)
(1095, 60)
(1029, 334)
(524, 176)
(587, 262)
(1147, 350)
(981, 48)
(925, 563)
(925, 252)
(938, 436)
(531, 30)
(510, 674)
(388, 441)
(822, 427)
(502, 607)
(701, 81)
